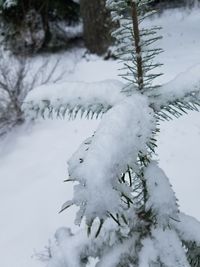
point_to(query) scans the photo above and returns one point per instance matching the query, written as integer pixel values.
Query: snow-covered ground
(33, 159)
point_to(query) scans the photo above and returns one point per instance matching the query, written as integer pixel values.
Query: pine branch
(179, 95)
(188, 229)
(134, 43)
(73, 98)
(99, 174)
(138, 49)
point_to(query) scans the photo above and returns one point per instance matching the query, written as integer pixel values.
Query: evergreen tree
(128, 204)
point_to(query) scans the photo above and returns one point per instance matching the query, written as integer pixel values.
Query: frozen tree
(18, 76)
(125, 198)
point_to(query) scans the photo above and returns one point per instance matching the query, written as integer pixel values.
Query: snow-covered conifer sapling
(124, 197)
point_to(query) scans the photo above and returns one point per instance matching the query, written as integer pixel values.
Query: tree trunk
(97, 25)
(45, 20)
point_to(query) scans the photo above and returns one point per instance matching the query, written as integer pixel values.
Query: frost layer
(99, 163)
(96, 96)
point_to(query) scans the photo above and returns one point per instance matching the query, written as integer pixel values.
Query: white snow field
(33, 158)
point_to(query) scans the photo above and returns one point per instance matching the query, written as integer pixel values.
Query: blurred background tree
(96, 25)
(29, 26)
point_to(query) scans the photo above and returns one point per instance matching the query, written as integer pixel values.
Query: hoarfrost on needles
(123, 133)
(185, 87)
(188, 228)
(67, 249)
(161, 197)
(114, 254)
(169, 248)
(86, 96)
(148, 253)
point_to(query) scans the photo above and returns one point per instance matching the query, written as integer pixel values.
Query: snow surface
(33, 159)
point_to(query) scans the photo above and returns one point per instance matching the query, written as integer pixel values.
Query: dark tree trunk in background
(45, 20)
(97, 25)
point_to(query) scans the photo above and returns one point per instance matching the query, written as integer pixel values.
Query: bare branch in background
(18, 76)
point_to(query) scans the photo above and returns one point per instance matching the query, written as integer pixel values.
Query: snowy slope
(33, 158)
